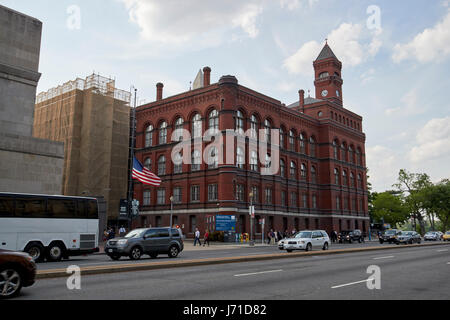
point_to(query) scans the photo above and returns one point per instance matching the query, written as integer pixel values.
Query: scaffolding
(99, 84)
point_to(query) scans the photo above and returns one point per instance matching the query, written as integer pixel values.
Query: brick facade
(324, 188)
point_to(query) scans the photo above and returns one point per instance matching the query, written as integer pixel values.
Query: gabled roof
(326, 53)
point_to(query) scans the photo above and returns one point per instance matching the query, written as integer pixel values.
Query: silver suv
(151, 241)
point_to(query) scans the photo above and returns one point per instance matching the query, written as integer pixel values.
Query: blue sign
(225, 223)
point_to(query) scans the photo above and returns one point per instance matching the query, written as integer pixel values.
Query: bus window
(61, 208)
(92, 209)
(6, 207)
(81, 209)
(30, 208)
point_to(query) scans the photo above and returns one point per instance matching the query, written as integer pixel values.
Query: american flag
(144, 175)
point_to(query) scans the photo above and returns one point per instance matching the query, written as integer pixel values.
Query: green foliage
(436, 201)
(389, 208)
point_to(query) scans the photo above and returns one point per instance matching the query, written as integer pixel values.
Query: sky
(395, 55)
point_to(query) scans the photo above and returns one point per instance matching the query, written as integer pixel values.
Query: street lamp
(171, 210)
(252, 243)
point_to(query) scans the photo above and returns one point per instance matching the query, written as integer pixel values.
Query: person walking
(206, 238)
(122, 232)
(269, 237)
(197, 237)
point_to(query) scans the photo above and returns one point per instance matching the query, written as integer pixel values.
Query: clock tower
(328, 81)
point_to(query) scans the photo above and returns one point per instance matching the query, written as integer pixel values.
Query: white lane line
(442, 250)
(255, 273)
(350, 284)
(386, 257)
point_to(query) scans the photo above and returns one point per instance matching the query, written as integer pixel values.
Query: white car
(432, 236)
(307, 240)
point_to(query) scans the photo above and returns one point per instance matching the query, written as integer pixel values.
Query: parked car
(350, 236)
(389, 236)
(307, 240)
(446, 236)
(441, 235)
(281, 244)
(432, 236)
(17, 270)
(408, 237)
(151, 241)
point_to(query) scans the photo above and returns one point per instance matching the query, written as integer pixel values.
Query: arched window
(282, 168)
(163, 133)
(343, 152)
(239, 122)
(254, 161)
(196, 160)
(162, 165)
(213, 158)
(197, 126)
(323, 75)
(282, 134)
(267, 128)
(344, 177)
(359, 181)
(240, 158)
(302, 143)
(335, 149)
(179, 123)
(303, 171)
(149, 136)
(254, 126)
(352, 180)
(148, 164)
(336, 176)
(313, 174)
(312, 147)
(350, 154)
(214, 120)
(268, 161)
(292, 140)
(178, 163)
(358, 157)
(293, 170)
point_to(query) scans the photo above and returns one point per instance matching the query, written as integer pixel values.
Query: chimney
(206, 76)
(159, 91)
(302, 100)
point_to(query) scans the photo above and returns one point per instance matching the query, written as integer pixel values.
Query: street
(406, 273)
(189, 252)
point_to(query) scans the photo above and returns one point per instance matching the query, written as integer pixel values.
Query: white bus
(48, 227)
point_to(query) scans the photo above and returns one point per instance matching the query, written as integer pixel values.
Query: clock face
(324, 93)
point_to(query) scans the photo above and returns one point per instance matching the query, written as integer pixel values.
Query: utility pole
(131, 162)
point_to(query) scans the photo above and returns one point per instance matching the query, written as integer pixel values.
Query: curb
(59, 273)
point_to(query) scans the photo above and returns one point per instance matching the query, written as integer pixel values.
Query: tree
(390, 208)
(412, 185)
(437, 202)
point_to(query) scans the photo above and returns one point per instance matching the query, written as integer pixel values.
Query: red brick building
(321, 181)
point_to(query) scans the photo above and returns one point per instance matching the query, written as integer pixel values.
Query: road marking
(442, 250)
(386, 257)
(350, 284)
(255, 273)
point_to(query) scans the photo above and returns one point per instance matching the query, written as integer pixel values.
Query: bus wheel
(55, 252)
(36, 251)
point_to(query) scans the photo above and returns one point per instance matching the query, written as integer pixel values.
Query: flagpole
(133, 138)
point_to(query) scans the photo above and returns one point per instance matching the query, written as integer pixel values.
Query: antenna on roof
(309, 93)
(190, 85)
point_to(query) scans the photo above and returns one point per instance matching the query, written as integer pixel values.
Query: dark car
(151, 241)
(17, 270)
(390, 236)
(408, 237)
(350, 236)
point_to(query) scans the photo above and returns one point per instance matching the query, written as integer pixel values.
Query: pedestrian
(206, 238)
(269, 237)
(272, 236)
(122, 232)
(197, 237)
(279, 236)
(111, 233)
(105, 235)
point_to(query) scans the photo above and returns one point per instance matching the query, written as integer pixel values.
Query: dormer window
(323, 75)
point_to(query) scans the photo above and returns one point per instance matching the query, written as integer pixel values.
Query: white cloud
(367, 76)
(383, 167)
(347, 42)
(411, 105)
(179, 21)
(296, 4)
(429, 45)
(433, 142)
